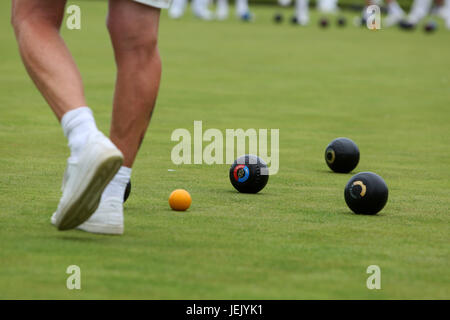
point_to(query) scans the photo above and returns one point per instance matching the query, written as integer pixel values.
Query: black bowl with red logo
(249, 174)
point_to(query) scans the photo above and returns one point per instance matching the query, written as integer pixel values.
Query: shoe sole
(87, 202)
(101, 229)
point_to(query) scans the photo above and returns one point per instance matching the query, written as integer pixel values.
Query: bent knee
(22, 18)
(131, 36)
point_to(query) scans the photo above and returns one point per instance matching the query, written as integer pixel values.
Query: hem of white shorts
(155, 3)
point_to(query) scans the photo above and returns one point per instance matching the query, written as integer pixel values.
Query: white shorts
(162, 4)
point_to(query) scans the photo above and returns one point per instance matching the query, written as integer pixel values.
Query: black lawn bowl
(363, 22)
(430, 27)
(407, 26)
(246, 17)
(323, 22)
(294, 20)
(342, 155)
(249, 174)
(366, 193)
(127, 192)
(278, 18)
(341, 21)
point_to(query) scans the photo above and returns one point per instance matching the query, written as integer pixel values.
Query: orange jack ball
(180, 200)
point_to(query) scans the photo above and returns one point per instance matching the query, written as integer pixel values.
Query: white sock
(302, 9)
(116, 188)
(394, 8)
(200, 5)
(77, 125)
(222, 9)
(222, 5)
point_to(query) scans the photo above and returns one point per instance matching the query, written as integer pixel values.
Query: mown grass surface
(389, 91)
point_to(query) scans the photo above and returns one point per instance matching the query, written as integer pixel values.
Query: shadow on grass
(84, 237)
(351, 213)
(338, 173)
(259, 194)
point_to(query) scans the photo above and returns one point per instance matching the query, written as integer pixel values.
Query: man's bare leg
(94, 159)
(45, 55)
(133, 28)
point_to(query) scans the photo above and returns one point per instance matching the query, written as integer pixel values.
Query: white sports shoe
(107, 219)
(177, 9)
(222, 11)
(201, 10)
(203, 14)
(176, 12)
(85, 180)
(303, 19)
(393, 19)
(419, 10)
(444, 13)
